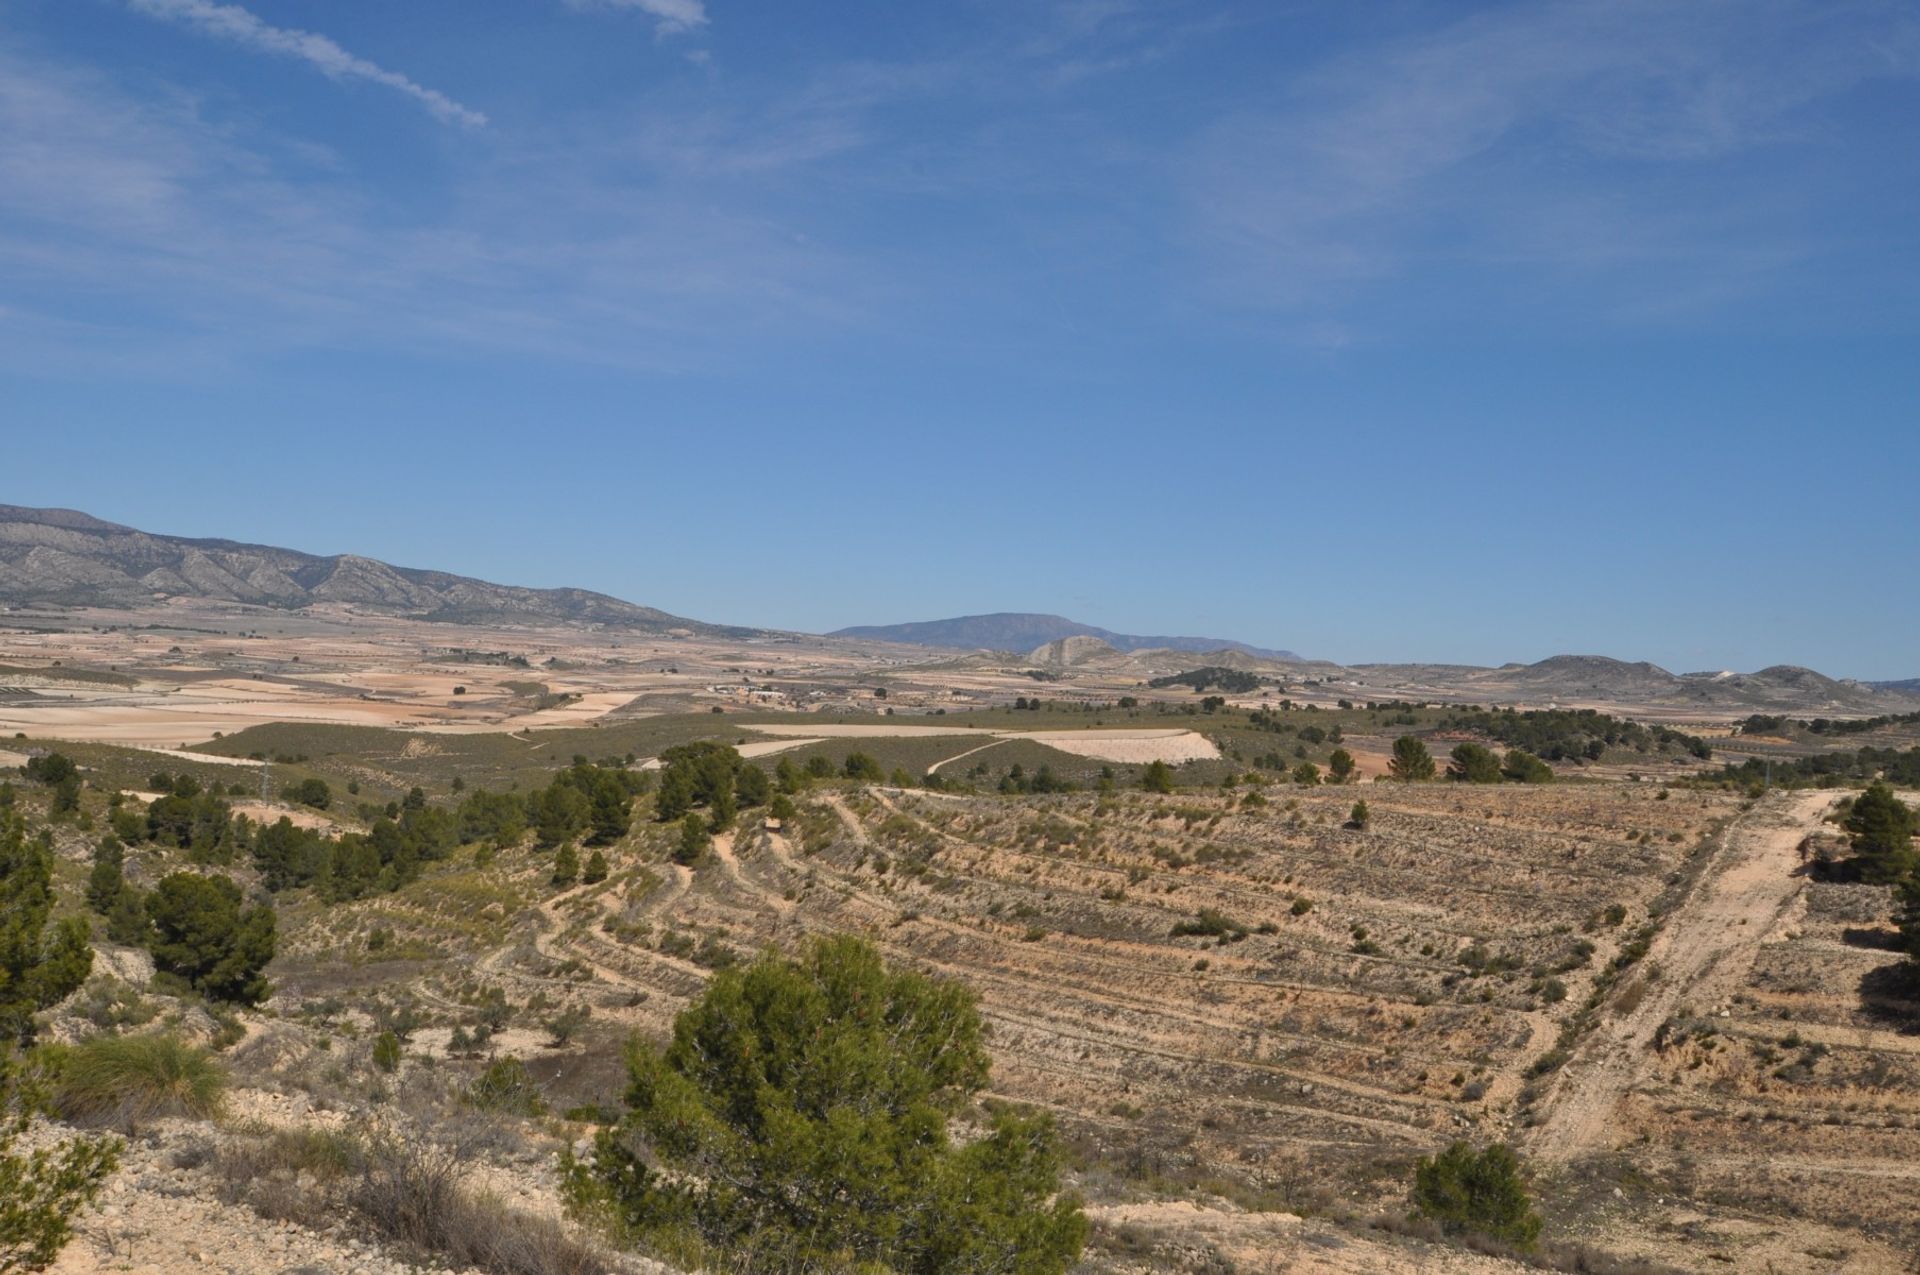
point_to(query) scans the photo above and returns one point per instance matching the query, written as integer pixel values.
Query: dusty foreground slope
(1696, 1045)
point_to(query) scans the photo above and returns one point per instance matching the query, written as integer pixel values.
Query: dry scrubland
(1375, 994)
(1703, 1050)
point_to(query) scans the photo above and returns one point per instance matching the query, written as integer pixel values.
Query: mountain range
(1025, 631)
(64, 558)
(61, 557)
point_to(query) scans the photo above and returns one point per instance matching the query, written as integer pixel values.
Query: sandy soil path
(1706, 949)
(1131, 745)
(212, 759)
(948, 761)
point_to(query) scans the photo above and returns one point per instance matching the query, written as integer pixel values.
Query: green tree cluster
(1880, 828)
(203, 933)
(710, 776)
(1473, 764)
(41, 962)
(312, 792)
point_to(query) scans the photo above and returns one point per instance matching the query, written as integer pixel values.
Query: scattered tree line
(1563, 734)
(1764, 724)
(1829, 770)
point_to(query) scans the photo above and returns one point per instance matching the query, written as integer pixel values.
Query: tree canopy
(203, 934)
(1411, 761)
(799, 1119)
(1881, 828)
(1473, 764)
(40, 963)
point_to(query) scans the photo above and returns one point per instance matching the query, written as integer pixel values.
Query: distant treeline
(587, 800)
(1762, 724)
(1572, 734)
(1901, 768)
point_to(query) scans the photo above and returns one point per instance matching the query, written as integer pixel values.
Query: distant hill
(61, 557)
(1025, 631)
(1782, 688)
(1905, 686)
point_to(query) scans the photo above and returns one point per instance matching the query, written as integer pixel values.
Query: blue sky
(1377, 331)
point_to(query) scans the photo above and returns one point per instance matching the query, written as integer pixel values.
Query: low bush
(122, 1081)
(1481, 1192)
(409, 1191)
(507, 1088)
(44, 1186)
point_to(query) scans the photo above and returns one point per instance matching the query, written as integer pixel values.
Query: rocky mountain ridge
(62, 557)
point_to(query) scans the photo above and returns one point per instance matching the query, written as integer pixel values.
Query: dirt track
(1699, 959)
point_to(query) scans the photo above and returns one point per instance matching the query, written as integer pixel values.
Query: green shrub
(566, 866)
(799, 1119)
(386, 1052)
(124, 1080)
(41, 1189)
(41, 961)
(1209, 923)
(505, 1086)
(694, 839)
(1478, 1193)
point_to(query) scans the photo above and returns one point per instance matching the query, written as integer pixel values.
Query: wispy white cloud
(231, 22)
(137, 234)
(671, 17)
(1583, 135)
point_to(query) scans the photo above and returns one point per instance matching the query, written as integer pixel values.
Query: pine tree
(801, 1114)
(1157, 777)
(1411, 762)
(1881, 828)
(566, 865)
(202, 933)
(40, 963)
(694, 840)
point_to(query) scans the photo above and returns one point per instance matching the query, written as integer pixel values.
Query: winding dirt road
(1701, 956)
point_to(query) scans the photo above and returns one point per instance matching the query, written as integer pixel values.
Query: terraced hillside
(1215, 995)
(1245, 1005)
